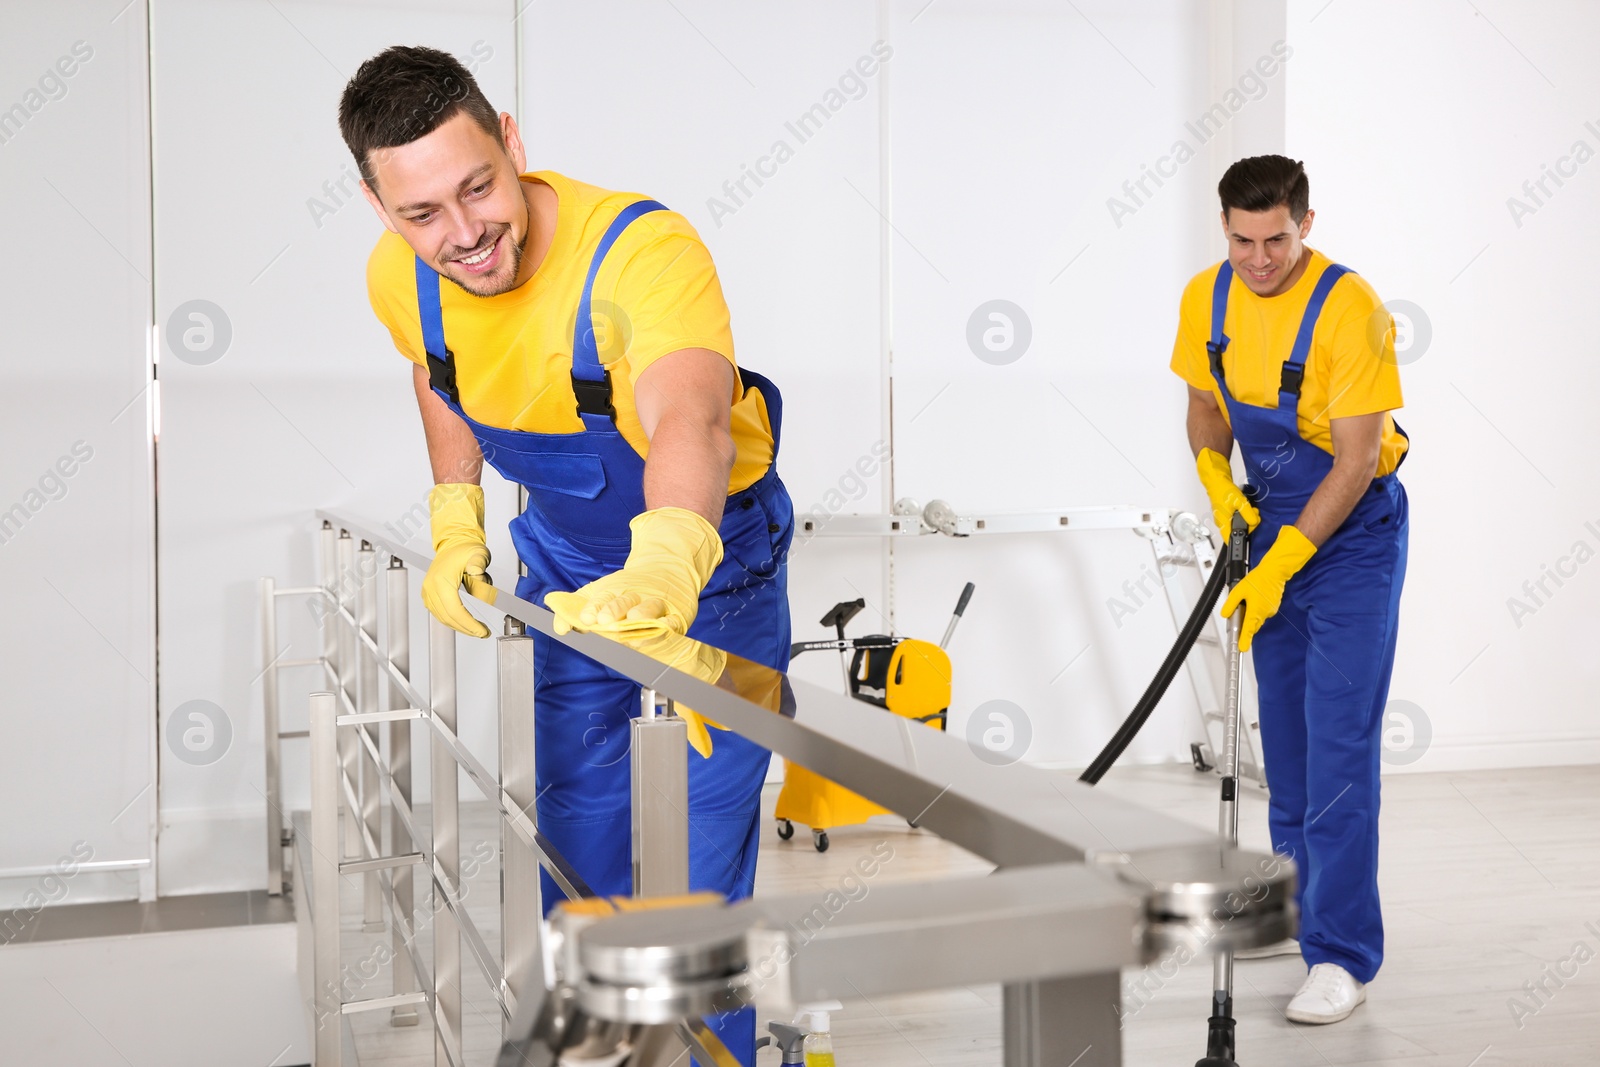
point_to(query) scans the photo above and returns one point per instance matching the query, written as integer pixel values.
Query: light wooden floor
(1487, 879)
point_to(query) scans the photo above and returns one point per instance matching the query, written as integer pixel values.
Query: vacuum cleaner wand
(1228, 572)
(1220, 1027)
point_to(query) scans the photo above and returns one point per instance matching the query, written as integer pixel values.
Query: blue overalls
(1323, 662)
(583, 490)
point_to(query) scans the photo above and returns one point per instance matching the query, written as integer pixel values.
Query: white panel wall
(1013, 129)
(698, 97)
(1420, 124)
(77, 665)
(992, 195)
(991, 152)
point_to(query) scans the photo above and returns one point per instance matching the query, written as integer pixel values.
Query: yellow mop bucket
(909, 677)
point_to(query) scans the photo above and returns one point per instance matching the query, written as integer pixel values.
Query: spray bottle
(813, 1018)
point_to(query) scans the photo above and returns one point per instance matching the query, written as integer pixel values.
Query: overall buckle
(442, 375)
(1215, 349)
(594, 398)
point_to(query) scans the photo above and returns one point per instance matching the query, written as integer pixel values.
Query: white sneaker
(1328, 995)
(1287, 947)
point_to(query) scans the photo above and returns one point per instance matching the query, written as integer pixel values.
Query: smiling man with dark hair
(582, 347)
(1278, 348)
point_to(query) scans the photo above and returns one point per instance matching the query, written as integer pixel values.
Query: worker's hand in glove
(657, 590)
(1261, 590)
(690, 657)
(460, 557)
(1226, 497)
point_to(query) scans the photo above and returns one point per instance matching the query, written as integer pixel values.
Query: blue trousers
(581, 737)
(1323, 665)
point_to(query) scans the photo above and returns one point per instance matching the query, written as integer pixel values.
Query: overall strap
(441, 361)
(1219, 315)
(591, 381)
(1294, 369)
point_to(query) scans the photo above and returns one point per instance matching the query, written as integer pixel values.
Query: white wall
(1413, 165)
(1000, 189)
(77, 665)
(702, 96)
(980, 161)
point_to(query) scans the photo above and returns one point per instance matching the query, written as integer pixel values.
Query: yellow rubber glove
(460, 556)
(1226, 498)
(690, 657)
(1261, 590)
(657, 590)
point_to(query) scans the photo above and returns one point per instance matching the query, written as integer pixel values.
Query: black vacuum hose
(1158, 685)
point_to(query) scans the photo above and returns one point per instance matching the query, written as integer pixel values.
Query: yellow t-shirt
(657, 292)
(1350, 370)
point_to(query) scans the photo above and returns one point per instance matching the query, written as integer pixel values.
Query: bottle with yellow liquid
(819, 1042)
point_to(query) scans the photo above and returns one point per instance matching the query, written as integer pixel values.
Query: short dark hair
(404, 93)
(1261, 183)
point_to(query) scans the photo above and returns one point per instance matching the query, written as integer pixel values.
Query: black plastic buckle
(1215, 351)
(1293, 375)
(442, 375)
(594, 398)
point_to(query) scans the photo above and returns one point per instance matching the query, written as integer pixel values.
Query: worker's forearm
(1336, 497)
(454, 457)
(1208, 429)
(688, 468)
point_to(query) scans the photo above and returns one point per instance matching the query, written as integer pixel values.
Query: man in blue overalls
(1292, 356)
(582, 348)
